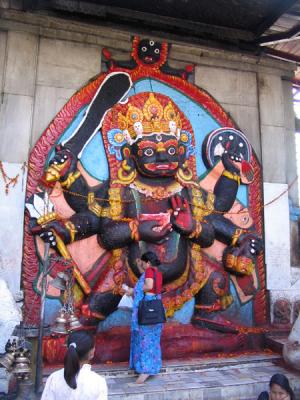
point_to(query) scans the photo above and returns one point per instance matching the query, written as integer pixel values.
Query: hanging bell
(60, 324)
(22, 369)
(60, 282)
(8, 360)
(74, 323)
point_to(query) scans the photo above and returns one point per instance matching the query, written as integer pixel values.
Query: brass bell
(60, 324)
(74, 322)
(22, 371)
(60, 282)
(8, 360)
(21, 368)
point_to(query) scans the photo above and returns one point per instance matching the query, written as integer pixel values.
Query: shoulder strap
(154, 286)
(155, 291)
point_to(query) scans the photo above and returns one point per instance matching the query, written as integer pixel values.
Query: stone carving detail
(174, 176)
(282, 312)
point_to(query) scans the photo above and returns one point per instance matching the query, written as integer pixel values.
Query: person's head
(151, 259)
(148, 259)
(280, 388)
(81, 348)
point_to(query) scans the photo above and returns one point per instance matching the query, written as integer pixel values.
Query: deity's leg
(212, 299)
(99, 306)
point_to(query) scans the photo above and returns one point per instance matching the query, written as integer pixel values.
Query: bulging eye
(149, 152)
(144, 48)
(151, 43)
(171, 151)
(156, 51)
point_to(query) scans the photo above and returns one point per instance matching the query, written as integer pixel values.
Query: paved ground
(233, 378)
(238, 378)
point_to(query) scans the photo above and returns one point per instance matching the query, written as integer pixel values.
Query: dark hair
(79, 344)
(151, 257)
(282, 381)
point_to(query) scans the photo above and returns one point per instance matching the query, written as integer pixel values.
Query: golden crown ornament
(152, 119)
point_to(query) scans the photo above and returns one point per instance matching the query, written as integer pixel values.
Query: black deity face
(157, 155)
(149, 51)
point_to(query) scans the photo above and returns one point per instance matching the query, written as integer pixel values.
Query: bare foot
(142, 378)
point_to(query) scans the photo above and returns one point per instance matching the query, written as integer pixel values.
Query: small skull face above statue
(149, 51)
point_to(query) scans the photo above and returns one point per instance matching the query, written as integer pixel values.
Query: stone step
(237, 377)
(182, 365)
(242, 381)
(195, 364)
(276, 342)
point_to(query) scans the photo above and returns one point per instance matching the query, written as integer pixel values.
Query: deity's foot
(90, 318)
(214, 322)
(89, 322)
(142, 378)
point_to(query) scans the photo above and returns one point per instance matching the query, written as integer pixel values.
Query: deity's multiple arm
(79, 226)
(205, 235)
(127, 228)
(95, 216)
(183, 220)
(227, 186)
(93, 212)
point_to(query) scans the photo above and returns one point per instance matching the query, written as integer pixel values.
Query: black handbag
(151, 312)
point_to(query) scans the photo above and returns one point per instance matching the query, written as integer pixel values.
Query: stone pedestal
(177, 341)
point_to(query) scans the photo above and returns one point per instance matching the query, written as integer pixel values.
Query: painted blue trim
(294, 211)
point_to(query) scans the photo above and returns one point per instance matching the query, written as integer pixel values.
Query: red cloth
(157, 286)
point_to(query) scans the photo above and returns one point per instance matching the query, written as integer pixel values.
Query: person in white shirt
(76, 381)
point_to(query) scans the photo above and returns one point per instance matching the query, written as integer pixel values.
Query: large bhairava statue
(154, 197)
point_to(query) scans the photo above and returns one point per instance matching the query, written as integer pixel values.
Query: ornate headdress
(152, 117)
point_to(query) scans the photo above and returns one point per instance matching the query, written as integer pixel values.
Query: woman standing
(145, 351)
(76, 381)
(279, 389)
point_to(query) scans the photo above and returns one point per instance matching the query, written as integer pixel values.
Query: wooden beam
(282, 6)
(281, 55)
(148, 20)
(291, 34)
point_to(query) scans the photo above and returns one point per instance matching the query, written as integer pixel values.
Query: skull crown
(152, 117)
